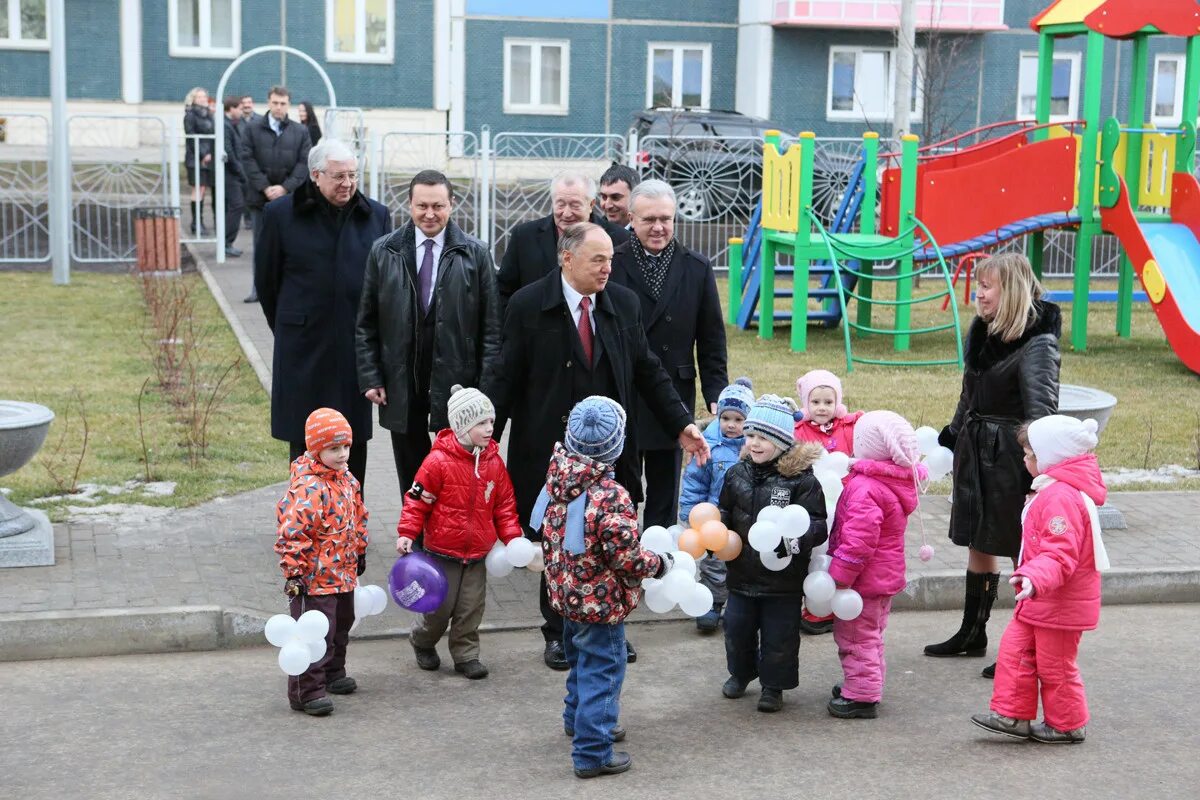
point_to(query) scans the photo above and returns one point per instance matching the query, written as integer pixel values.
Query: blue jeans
(596, 654)
(762, 640)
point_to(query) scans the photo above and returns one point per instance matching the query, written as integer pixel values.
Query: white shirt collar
(276, 125)
(573, 297)
(439, 241)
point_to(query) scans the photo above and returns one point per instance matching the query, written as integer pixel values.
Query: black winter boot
(971, 638)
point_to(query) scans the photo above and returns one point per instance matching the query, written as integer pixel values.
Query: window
(358, 30)
(862, 82)
(678, 75)
(1064, 87)
(205, 28)
(536, 76)
(23, 25)
(1167, 99)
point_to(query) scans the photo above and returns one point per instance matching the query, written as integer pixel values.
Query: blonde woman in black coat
(1011, 376)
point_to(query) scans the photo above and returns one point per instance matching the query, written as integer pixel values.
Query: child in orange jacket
(322, 547)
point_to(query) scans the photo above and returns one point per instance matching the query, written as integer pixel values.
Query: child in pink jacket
(867, 547)
(1058, 587)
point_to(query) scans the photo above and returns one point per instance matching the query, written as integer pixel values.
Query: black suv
(713, 160)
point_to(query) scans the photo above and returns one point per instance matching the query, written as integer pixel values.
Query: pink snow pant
(860, 647)
(1031, 655)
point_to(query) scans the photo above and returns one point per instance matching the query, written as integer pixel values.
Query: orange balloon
(714, 535)
(732, 548)
(702, 513)
(689, 542)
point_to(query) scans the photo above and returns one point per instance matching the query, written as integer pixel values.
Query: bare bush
(57, 460)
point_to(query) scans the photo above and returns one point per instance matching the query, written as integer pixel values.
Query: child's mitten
(362, 563)
(294, 587)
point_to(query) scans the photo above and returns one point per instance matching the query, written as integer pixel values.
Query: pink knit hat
(886, 436)
(817, 378)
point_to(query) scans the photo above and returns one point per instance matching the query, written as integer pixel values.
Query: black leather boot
(971, 638)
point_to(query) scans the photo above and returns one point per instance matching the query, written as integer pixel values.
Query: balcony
(946, 15)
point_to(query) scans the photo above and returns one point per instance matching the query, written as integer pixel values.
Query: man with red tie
(567, 336)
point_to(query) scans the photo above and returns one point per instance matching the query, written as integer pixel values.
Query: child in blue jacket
(703, 484)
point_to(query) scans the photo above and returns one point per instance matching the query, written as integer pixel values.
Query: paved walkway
(220, 553)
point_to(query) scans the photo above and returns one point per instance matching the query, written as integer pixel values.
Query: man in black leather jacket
(429, 318)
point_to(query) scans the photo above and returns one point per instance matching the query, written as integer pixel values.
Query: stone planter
(26, 538)
(1083, 402)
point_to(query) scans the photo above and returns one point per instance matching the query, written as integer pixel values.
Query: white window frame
(359, 56)
(677, 49)
(205, 49)
(537, 105)
(1076, 59)
(12, 9)
(1177, 102)
(860, 115)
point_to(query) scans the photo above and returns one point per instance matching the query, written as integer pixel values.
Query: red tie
(585, 328)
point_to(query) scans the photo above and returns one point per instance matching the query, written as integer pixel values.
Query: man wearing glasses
(309, 259)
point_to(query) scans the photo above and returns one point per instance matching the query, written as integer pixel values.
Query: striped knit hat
(324, 428)
(596, 429)
(737, 396)
(771, 417)
(466, 409)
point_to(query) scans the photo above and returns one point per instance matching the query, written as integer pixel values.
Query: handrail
(1025, 129)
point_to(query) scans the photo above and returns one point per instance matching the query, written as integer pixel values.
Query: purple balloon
(417, 583)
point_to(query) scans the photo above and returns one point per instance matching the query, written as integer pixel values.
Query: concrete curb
(255, 360)
(177, 629)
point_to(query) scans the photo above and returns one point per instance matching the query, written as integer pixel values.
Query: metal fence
(24, 188)
(400, 155)
(202, 192)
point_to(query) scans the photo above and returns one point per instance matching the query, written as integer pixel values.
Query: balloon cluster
(938, 460)
(518, 553)
(829, 470)
(773, 524)
(679, 586)
(300, 641)
(821, 595)
(706, 534)
(368, 601)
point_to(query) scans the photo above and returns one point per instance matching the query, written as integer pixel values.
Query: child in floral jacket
(322, 547)
(594, 566)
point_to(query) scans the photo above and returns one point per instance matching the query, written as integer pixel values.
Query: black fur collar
(307, 199)
(984, 351)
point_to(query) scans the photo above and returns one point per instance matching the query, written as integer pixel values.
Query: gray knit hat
(467, 408)
(596, 429)
(771, 417)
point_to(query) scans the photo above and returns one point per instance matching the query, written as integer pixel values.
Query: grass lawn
(87, 336)
(1156, 421)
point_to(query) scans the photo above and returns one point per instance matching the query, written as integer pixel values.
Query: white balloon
(678, 584)
(520, 551)
(650, 583)
(316, 650)
(795, 521)
(939, 463)
(836, 464)
(764, 535)
(379, 600)
(538, 562)
(496, 562)
(819, 586)
(698, 601)
(684, 563)
(774, 562)
(821, 549)
(657, 598)
(819, 563)
(294, 658)
(927, 439)
(656, 539)
(847, 604)
(675, 530)
(770, 514)
(363, 601)
(280, 629)
(819, 608)
(312, 625)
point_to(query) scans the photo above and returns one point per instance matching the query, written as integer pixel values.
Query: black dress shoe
(620, 762)
(617, 734)
(554, 657)
(630, 653)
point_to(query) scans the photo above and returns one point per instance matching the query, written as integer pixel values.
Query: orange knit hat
(326, 427)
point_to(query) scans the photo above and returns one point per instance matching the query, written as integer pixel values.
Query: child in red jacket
(472, 507)
(1058, 587)
(322, 549)
(825, 421)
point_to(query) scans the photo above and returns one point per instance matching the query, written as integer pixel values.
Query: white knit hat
(466, 409)
(1057, 437)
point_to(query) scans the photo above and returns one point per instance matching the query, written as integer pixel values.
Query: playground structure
(993, 185)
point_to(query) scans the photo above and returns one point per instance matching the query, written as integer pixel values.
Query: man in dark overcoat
(682, 314)
(429, 319)
(309, 260)
(532, 250)
(568, 336)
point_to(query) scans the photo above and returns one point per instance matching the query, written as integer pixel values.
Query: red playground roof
(1122, 18)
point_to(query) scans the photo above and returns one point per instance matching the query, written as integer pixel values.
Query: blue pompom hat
(771, 417)
(737, 396)
(596, 429)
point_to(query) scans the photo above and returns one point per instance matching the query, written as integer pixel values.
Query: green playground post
(800, 254)
(1045, 83)
(1133, 176)
(735, 280)
(1088, 227)
(1191, 95)
(867, 224)
(766, 280)
(908, 205)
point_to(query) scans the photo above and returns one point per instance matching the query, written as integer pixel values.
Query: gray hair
(572, 179)
(652, 189)
(329, 150)
(570, 240)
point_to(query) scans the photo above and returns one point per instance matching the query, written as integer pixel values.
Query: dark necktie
(585, 328)
(425, 277)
